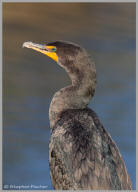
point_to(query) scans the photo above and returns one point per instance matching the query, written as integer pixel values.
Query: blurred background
(107, 31)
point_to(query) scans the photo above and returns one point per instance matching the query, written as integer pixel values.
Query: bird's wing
(83, 156)
(60, 160)
(117, 174)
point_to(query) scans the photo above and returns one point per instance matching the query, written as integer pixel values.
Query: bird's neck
(75, 96)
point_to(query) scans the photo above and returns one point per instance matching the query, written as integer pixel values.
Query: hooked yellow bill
(50, 51)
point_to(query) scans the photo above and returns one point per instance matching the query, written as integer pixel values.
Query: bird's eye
(53, 49)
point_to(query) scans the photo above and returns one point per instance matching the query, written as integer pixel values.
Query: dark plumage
(82, 154)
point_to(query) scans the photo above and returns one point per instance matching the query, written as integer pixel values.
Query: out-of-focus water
(30, 79)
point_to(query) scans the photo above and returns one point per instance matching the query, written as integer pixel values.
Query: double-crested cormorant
(82, 155)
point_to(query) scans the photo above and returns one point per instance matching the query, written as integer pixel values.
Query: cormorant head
(64, 53)
(73, 58)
